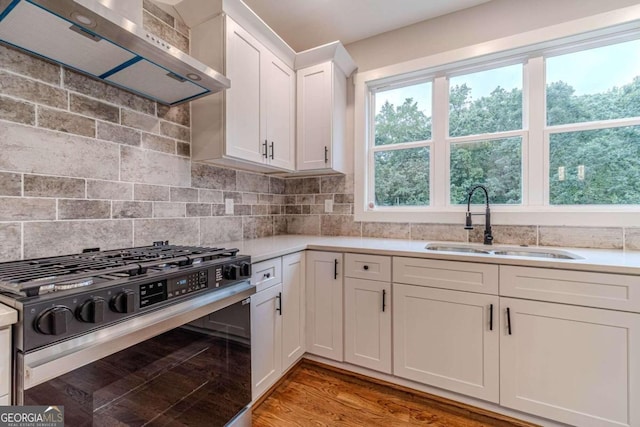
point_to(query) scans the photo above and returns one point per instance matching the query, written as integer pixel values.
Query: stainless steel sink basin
(455, 248)
(504, 251)
(537, 253)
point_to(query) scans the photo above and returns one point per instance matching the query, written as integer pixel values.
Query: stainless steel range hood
(91, 38)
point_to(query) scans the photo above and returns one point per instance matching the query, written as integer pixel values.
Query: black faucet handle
(468, 224)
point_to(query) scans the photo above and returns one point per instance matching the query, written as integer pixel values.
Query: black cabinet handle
(335, 269)
(272, 151)
(508, 321)
(264, 145)
(326, 154)
(267, 275)
(491, 317)
(366, 267)
(384, 299)
(279, 306)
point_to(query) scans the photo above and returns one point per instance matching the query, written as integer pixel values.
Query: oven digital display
(152, 293)
(181, 282)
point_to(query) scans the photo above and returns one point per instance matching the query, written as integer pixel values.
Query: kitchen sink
(503, 251)
(456, 248)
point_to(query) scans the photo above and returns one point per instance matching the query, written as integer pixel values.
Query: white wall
(488, 21)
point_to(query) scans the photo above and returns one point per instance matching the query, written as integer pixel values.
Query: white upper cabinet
(321, 109)
(252, 124)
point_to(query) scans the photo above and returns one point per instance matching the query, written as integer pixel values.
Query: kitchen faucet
(488, 238)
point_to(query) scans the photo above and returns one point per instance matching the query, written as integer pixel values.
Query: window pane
(403, 114)
(595, 167)
(402, 177)
(486, 102)
(495, 163)
(595, 84)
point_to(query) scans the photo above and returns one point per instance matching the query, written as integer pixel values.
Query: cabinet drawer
(5, 360)
(457, 276)
(372, 267)
(603, 290)
(266, 273)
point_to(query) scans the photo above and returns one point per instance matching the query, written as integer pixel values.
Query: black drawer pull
(508, 320)
(366, 267)
(384, 299)
(267, 275)
(335, 269)
(279, 307)
(265, 154)
(326, 154)
(491, 317)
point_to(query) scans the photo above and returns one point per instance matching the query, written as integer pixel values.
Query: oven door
(186, 364)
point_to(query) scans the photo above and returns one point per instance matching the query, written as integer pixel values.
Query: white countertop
(600, 260)
(8, 316)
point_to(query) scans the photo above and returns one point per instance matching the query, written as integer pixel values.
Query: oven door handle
(50, 362)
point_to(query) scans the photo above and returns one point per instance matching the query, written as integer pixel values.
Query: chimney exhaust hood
(88, 37)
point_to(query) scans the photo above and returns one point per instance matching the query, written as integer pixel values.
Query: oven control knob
(246, 269)
(124, 302)
(91, 311)
(232, 272)
(54, 321)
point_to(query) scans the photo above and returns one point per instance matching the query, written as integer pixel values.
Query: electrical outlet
(581, 172)
(561, 173)
(228, 206)
(328, 206)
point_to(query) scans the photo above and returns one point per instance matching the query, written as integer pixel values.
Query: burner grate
(44, 273)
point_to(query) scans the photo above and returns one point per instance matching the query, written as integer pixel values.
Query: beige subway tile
(507, 234)
(10, 184)
(219, 229)
(110, 190)
(340, 225)
(26, 209)
(439, 232)
(29, 65)
(119, 134)
(254, 227)
(198, 209)
(17, 111)
(93, 108)
(184, 194)
(179, 114)
(581, 237)
(50, 153)
(10, 236)
(129, 209)
(66, 122)
(32, 90)
(150, 167)
(178, 231)
(53, 186)
(169, 210)
(212, 177)
(175, 131)
(387, 230)
(83, 209)
(140, 121)
(66, 237)
(151, 192)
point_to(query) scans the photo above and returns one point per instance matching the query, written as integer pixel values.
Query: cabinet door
(5, 360)
(576, 365)
(447, 339)
(324, 304)
(279, 117)
(293, 309)
(266, 340)
(367, 323)
(244, 56)
(314, 117)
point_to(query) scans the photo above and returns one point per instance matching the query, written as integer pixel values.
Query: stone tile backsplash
(84, 164)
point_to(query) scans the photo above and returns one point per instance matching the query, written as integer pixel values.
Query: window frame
(531, 48)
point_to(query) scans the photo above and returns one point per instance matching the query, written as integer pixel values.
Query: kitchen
(87, 165)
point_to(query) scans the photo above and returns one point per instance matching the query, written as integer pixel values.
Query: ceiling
(304, 24)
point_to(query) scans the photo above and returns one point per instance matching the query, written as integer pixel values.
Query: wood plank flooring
(317, 395)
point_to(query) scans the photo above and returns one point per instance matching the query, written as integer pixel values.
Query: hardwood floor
(317, 395)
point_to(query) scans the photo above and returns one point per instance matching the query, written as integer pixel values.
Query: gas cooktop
(43, 275)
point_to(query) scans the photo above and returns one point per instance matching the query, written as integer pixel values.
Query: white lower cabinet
(576, 365)
(277, 319)
(367, 323)
(324, 304)
(447, 339)
(293, 304)
(5, 365)
(266, 339)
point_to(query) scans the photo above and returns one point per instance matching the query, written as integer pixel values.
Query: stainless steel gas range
(154, 335)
